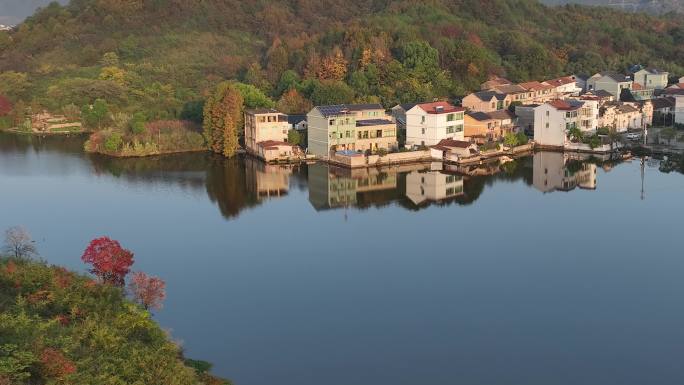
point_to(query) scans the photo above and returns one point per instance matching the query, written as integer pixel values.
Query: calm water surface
(552, 271)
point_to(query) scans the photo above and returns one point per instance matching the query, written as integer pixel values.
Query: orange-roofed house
(429, 123)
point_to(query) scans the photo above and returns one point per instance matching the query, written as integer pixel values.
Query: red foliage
(63, 319)
(63, 278)
(5, 106)
(148, 291)
(55, 365)
(111, 262)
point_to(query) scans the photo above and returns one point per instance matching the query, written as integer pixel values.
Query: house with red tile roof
(429, 123)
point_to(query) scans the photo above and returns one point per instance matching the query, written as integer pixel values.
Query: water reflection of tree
(227, 186)
(16, 143)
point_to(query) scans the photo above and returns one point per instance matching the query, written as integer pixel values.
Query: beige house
(622, 117)
(538, 92)
(486, 101)
(484, 127)
(611, 82)
(375, 134)
(651, 78)
(264, 125)
(564, 86)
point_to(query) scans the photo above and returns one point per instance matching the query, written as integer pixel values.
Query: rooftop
(344, 109)
(261, 111)
(440, 108)
(373, 122)
(451, 143)
(615, 76)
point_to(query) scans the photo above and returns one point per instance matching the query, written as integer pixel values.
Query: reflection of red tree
(111, 263)
(147, 291)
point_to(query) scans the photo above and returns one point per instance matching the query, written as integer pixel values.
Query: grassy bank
(59, 327)
(154, 138)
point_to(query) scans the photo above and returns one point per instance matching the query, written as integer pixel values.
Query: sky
(14, 11)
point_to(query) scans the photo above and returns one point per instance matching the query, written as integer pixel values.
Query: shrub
(382, 152)
(113, 142)
(137, 123)
(294, 137)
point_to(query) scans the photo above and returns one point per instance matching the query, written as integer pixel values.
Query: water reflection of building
(332, 187)
(267, 180)
(432, 186)
(555, 171)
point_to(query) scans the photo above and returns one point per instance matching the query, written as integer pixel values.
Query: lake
(550, 269)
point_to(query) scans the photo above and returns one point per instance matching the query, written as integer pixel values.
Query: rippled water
(545, 270)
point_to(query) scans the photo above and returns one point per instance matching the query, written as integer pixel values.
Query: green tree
(94, 116)
(137, 123)
(222, 116)
(294, 137)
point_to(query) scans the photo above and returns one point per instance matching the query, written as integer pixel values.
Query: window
(348, 134)
(378, 133)
(422, 119)
(450, 118)
(450, 179)
(493, 105)
(458, 128)
(332, 122)
(547, 113)
(341, 136)
(450, 130)
(547, 125)
(365, 134)
(450, 191)
(373, 134)
(360, 135)
(423, 130)
(261, 119)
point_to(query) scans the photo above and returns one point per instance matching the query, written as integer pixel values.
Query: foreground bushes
(57, 327)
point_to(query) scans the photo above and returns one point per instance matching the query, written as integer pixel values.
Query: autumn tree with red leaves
(5, 106)
(148, 291)
(111, 262)
(55, 364)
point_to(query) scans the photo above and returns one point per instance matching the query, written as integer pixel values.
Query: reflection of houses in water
(267, 180)
(432, 186)
(332, 187)
(555, 171)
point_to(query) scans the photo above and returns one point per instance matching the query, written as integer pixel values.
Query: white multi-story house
(429, 123)
(564, 86)
(554, 119)
(651, 78)
(612, 82)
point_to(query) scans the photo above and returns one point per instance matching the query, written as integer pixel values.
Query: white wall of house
(549, 126)
(424, 129)
(607, 83)
(651, 81)
(679, 109)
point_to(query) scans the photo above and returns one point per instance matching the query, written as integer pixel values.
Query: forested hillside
(159, 55)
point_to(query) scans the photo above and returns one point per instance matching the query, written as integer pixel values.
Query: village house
(664, 106)
(622, 117)
(453, 150)
(601, 96)
(515, 92)
(336, 128)
(428, 123)
(554, 119)
(525, 117)
(612, 82)
(538, 92)
(486, 101)
(581, 81)
(679, 109)
(433, 186)
(333, 187)
(639, 92)
(651, 78)
(264, 125)
(564, 87)
(484, 127)
(494, 81)
(399, 115)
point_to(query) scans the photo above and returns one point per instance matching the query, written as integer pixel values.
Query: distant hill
(158, 55)
(650, 6)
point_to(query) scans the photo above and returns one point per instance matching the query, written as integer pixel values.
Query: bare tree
(18, 243)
